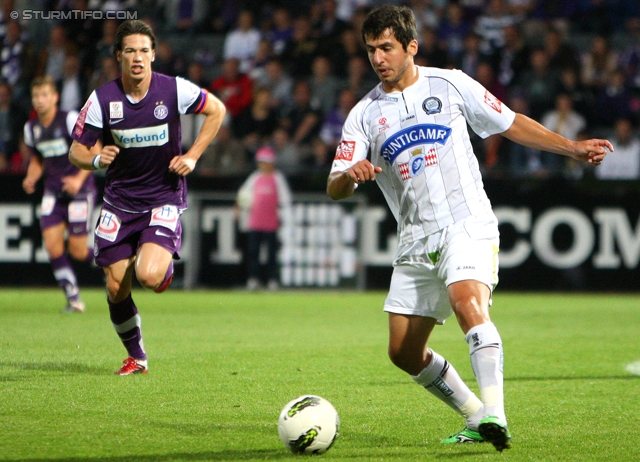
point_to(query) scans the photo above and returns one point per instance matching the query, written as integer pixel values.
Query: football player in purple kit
(137, 118)
(69, 193)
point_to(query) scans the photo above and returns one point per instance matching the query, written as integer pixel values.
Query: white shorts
(467, 250)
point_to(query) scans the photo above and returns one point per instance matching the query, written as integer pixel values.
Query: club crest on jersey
(412, 136)
(160, 111)
(115, 110)
(432, 105)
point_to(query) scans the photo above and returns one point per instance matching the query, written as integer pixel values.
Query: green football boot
(495, 431)
(466, 435)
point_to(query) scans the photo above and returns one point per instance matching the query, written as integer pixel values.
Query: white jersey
(430, 175)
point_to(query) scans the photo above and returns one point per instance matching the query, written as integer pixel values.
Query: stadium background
(563, 228)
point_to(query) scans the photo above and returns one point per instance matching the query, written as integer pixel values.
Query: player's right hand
(108, 154)
(28, 185)
(363, 171)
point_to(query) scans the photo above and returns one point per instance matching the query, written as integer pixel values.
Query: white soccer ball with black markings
(308, 424)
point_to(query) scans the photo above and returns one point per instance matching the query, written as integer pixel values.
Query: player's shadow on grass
(53, 366)
(256, 454)
(571, 377)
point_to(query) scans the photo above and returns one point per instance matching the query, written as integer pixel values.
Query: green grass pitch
(222, 365)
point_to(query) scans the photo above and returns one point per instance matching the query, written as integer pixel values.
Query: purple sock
(65, 277)
(126, 321)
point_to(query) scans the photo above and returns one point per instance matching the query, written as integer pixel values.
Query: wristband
(96, 162)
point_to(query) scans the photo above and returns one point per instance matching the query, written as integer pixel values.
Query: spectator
(264, 198)
(324, 85)
(624, 162)
(233, 87)
(629, 59)
(289, 158)
(196, 74)
(242, 42)
(524, 161)
(426, 13)
(331, 130)
(102, 47)
(329, 26)
(350, 45)
(486, 76)
(109, 70)
(51, 59)
(255, 125)
(186, 16)
(540, 84)
(491, 23)
(472, 55)
(560, 54)
(429, 51)
(279, 83)
(513, 58)
(282, 31)
(18, 62)
(263, 56)
(303, 120)
(613, 102)
(225, 156)
(11, 122)
(453, 29)
(581, 97)
(564, 120)
(166, 61)
(360, 78)
(320, 158)
(73, 85)
(302, 49)
(598, 64)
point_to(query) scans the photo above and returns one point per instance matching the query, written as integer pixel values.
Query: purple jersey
(51, 144)
(148, 135)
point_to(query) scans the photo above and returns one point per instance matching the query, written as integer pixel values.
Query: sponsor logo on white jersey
(142, 137)
(413, 136)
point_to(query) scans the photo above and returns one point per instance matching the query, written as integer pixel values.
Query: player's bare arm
(530, 133)
(86, 157)
(214, 112)
(341, 185)
(34, 172)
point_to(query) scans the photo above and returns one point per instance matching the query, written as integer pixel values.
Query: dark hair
(132, 27)
(399, 19)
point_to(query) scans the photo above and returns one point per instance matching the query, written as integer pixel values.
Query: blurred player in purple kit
(69, 193)
(137, 117)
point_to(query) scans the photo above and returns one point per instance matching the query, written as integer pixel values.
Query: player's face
(391, 62)
(136, 57)
(44, 99)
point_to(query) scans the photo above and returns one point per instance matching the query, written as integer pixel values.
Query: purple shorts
(76, 212)
(119, 234)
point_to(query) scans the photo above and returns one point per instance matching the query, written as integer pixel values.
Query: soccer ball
(308, 425)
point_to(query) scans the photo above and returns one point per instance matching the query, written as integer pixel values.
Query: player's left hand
(592, 151)
(71, 185)
(182, 165)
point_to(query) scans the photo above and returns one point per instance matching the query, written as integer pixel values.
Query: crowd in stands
(290, 71)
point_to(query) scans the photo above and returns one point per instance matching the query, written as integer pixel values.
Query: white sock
(442, 380)
(485, 349)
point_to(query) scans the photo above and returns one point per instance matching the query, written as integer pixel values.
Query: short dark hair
(399, 19)
(132, 27)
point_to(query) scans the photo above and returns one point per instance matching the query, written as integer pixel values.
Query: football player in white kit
(409, 134)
